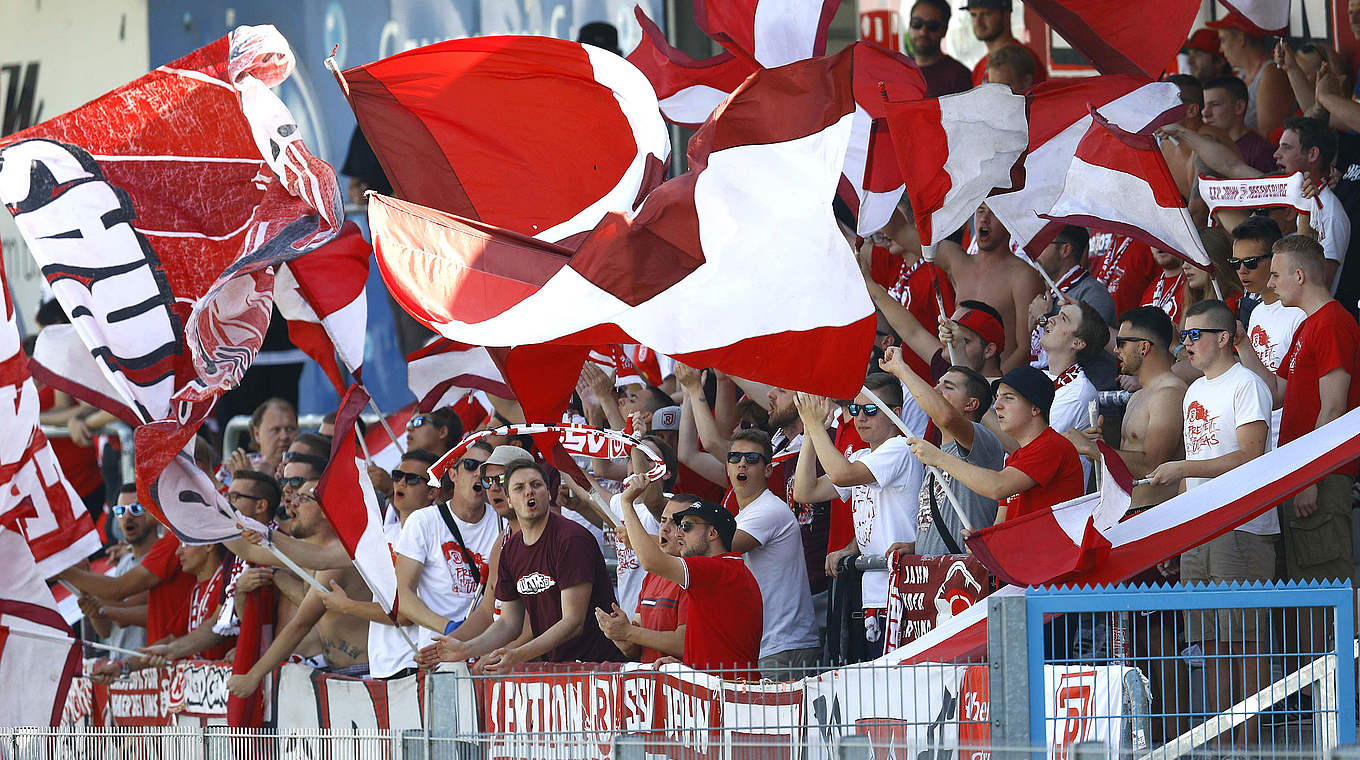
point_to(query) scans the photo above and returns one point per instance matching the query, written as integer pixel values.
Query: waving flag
(1264, 17)
(1060, 117)
(768, 33)
(1116, 41)
(1119, 182)
(322, 297)
(953, 151)
(346, 496)
(444, 371)
(38, 671)
(459, 126)
(687, 90)
(708, 271)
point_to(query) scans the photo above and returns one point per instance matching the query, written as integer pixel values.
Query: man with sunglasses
(1270, 323)
(123, 623)
(658, 628)
(435, 432)
(926, 28)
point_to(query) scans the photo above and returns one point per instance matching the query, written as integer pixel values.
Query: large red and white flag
(1116, 41)
(443, 371)
(708, 271)
(687, 90)
(35, 496)
(346, 495)
(1269, 17)
(459, 126)
(768, 33)
(322, 297)
(1119, 182)
(37, 672)
(1060, 118)
(1170, 528)
(953, 151)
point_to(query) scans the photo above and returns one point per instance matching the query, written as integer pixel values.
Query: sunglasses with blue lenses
(1195, 333)
(869, 409)
(136, 510)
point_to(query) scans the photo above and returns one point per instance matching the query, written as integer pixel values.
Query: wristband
(452, 626)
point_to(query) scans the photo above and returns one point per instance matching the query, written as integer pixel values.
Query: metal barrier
(119, 429)
(1234, 669)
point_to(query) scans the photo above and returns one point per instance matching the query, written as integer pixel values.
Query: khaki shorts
(1234, 556)
(1318, 547)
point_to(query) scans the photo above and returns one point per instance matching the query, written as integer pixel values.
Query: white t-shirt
(446, 583)
(780, 568)
(1333, 228)
(1271, 332)
(630, 573)
(1071, 410)
(388, 651)
(1214, 410)
(884, 512)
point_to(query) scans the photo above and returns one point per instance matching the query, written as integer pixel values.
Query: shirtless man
(1180, 156)
(997, 277)
(344, 639)
(1151, 433)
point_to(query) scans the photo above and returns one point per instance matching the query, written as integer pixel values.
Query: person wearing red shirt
(725, 620)
(159, 574)
(209, 565)
(658, 628)
(1124, 265)
(1167, 292)
(1315, 384)
(1044, 471)
(992, 26)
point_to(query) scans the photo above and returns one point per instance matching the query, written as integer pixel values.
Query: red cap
(1235, 20)
(1205, 40)
(985, 325)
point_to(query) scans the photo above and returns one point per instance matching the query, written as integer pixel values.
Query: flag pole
(1052, 286)
(939, 304)
(382, 420)
(64, 640)
(948, 494)
(335, 69)
(363, 445)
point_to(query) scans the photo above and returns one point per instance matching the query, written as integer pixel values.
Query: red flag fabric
(1263, 18)
(708, 272)
(459, 127)
(768, 33)
(953, 151)
(257, 633)
(444, 371)
(1119, 182)
(345, 494)
(687, 90)
(322, 297)
(1116, 41)
(37, 672)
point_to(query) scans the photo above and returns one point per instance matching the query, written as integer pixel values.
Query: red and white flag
(1269, 17)
(953, 151)
(687, 90)
(1116, 41)
(1053, 544)
(322, 297)
(346, 495)
(708, 271)
(768, 33)
(1177, 524)
(1119, 182)
(459, 126)
(443, 371)
(382, 449)
(37, 671)
(1059, 120)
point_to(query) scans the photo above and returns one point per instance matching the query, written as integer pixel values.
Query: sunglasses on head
(751, 457)
(410, 478)
(934, 26)
(1195, 333)
(135, 510)
(294, 482)
(869, 409)
(1249, 263)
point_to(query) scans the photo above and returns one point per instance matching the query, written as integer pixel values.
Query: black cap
(714, 514)
(1031, 383)
(1000, 5)
(601, 35)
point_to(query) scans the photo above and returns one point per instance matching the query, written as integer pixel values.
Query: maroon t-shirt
(946, 77)
(566, 555)
(725, 617)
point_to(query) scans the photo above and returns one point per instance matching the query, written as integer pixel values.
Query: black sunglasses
(934, 26)
(751, 457)
(469, 464)
(135, 510)
(411, 478)
(1195, 333)
(294, 482)
(869, 409)
(1249, 263)
(686, 526)
(1121, 341)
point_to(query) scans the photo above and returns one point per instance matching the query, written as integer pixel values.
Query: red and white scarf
(1067, 376)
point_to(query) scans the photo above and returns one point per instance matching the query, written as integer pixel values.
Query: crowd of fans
(725, 563)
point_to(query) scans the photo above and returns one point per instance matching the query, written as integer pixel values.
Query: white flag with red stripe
(709, 271)
(36, 672)
(321, 294)
(346, 495)
(953, 151)
(443, 371)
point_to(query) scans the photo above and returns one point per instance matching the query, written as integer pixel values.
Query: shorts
(1318, 547)
(1234, 556)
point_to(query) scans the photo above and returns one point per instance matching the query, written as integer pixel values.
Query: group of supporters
(992, 364)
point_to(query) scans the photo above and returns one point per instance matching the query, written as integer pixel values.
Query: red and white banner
(576, 440)
(924, 592)
(444, 371)
(307, 698)
(1270, 191)
(37, 672)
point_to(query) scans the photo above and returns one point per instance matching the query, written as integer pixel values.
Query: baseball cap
(1031, 383)
(1235, 20)
(1000, 5)
(715, 515)
(507, 455)
(666, 418)
(1205, 40)
(985, 325)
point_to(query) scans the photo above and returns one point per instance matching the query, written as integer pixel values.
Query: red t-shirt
(725, 617)
(206, 599)
(1040, 71)
(1125, 266)
(1327, 339)
(662, 606)
(167, 609)
(1167, 294)
(1052, 461)
(80, 464)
